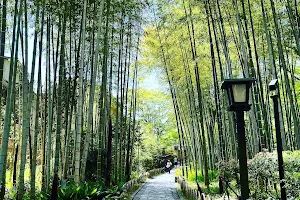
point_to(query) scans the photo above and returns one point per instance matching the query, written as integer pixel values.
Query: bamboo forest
(150, 99)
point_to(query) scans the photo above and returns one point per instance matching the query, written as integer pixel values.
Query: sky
(153, 80)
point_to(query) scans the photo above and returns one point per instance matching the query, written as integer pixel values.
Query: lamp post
(238, 98)
(274, 93)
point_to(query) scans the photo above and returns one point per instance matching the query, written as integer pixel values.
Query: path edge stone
(137, 191)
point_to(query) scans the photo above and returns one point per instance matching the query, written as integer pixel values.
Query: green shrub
(264, 176)
(86, 190)
(178, 172)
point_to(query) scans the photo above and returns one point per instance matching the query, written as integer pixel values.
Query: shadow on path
(159, 187)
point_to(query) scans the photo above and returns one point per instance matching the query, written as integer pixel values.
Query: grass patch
(213, 188)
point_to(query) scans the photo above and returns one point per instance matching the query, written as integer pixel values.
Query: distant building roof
(5, 57)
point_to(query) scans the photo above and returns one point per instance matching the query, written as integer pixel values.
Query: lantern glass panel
(239, 93)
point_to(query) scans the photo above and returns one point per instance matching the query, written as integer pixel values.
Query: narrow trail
(159, 187)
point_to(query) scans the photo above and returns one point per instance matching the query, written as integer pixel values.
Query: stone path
(159, 187)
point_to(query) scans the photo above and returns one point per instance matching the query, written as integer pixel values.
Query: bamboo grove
(73, 97)
(200, 43)
(69, 83)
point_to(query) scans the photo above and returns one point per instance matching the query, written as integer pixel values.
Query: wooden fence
(189, 193)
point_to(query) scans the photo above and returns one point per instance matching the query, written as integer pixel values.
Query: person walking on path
(175, 161)
(168, 166)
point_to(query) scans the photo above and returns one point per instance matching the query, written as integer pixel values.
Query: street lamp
(238, 99)
(274, 93)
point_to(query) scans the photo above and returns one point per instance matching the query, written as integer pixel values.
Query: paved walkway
(159, 187)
